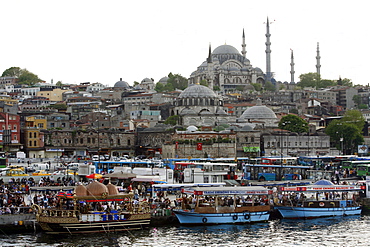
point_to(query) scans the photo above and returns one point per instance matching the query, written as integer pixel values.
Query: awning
(120, 175)
(154, 180)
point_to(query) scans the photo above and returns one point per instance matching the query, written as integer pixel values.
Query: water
(347, 231)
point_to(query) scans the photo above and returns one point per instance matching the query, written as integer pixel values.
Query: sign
(362, 149)
(251, 149)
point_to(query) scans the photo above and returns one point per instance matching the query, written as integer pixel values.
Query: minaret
(210, 75)
(243, 45)
(268, 52)
(292, 67)
(318, 66)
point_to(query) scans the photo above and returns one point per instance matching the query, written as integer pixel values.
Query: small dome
(225, 49)
(164, 80)
(122, 84)
(96, 189)
(258, 112)
(81, 190)
(197, 91)
(192, 128)
(147, 80)
(112, 189)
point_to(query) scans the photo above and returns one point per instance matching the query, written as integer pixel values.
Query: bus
(363, 170)
(353, 164)
(279, 160)
(108, 166)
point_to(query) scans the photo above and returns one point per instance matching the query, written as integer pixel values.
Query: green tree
(204, 83)
(24, 76)
(240, 88)
(216, 88)
(354, 117)
(28, 78)
(345, 135)
(257, 86)
(269, 86)
(12, 72)
(159, 87)
(177, 81)
(59, 84)
(357, 99)
(293, 123)
(172, 120)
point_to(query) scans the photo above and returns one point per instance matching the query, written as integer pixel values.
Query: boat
(223, 205)
(93, 208)
(322, 199)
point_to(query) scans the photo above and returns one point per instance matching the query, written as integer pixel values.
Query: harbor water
(332, 231)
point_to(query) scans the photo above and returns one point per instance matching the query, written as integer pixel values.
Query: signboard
(362, 149)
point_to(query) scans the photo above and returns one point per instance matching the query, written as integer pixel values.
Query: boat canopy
(319, 188)
(227, 191)
(173, 187)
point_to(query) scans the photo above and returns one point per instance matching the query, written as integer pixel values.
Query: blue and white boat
(322, 199)
(224, 205)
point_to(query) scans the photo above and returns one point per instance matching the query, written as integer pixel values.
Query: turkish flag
(176, 145)
(199, 146)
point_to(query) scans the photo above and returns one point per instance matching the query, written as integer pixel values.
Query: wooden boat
(224, 205)
(321, 199)
(82, 211)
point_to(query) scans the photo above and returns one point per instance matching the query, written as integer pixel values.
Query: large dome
(225, 49)
(258, 112)
(121, 83)
(197, 91)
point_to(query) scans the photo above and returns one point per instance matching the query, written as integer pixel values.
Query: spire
(243, 45)
(209, 59)
(318, 66)
(292, 67)
(268, 52)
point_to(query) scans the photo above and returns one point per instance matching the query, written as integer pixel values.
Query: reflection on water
(336, 231)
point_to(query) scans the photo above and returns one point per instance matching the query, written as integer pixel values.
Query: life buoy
(247, 216)
(321, 204)
(235, 217)
(204, 220)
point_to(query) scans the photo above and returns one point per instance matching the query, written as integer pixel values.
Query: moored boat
(224, 205)
(322, 199)
(94, 208)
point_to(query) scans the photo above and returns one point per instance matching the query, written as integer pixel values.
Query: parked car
(40, 173)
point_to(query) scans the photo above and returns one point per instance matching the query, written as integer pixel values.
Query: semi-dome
(96, 189)
(112, 189)
(164, 80)
(258, 112)
(81, 190)
(225, 49)
(147, 80)
(197, 91)
(122, 84)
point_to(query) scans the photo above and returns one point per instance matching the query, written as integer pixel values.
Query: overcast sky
(103, 41)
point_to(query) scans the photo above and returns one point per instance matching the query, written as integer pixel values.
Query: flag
(177, 145)
(199, 146)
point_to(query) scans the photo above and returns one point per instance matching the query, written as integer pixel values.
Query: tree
(216, 88)
(12, 72)
(204, 83)
(177, 81)
(23, 75)
(293, 123)
(59, 84)
(240, 88)
(172, 120)
(269, 86)
(354, 117)
(28, 78)
(257, 86)
(345, 135)
(357, 99)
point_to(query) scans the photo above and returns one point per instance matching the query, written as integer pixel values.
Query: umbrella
(94, 176)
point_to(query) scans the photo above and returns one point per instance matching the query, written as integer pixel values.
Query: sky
(103, 41)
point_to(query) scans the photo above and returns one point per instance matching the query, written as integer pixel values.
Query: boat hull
(74, 225)
(193, 218)
(288, 212)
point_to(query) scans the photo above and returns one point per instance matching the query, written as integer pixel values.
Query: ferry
(91, 209)
(223, 205)
(322, 199)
